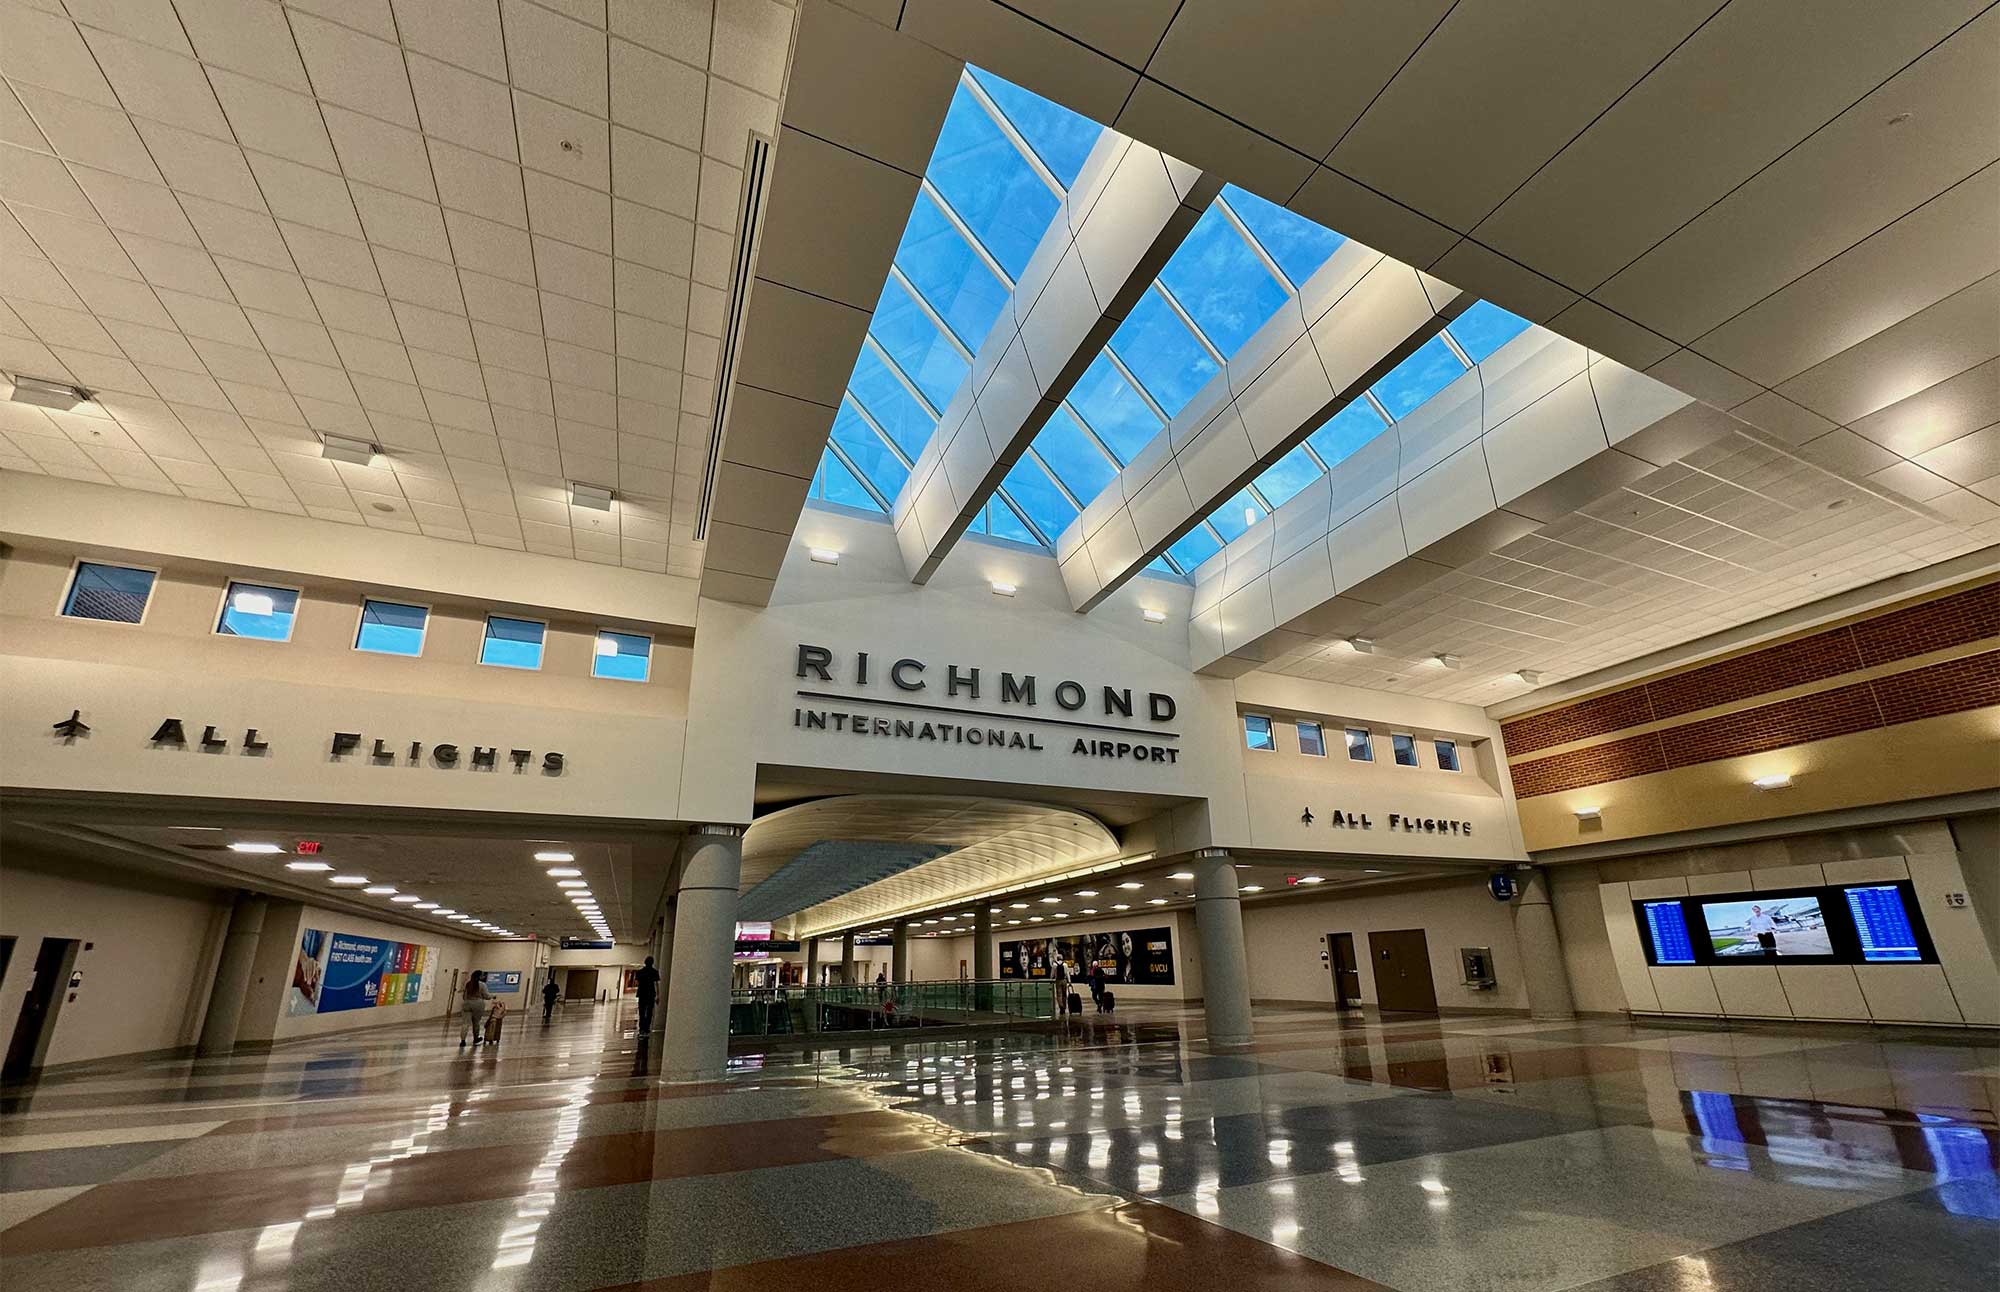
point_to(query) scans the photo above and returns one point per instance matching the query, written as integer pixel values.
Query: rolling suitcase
(493, 1018)
(1075, 1003)
(1106, 1003)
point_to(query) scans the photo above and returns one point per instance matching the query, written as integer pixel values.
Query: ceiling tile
(354, 70)
(464, 32)
(462, 108)
(250, 38)
(558, 59)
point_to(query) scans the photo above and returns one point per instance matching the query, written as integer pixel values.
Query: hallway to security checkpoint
(747, 644)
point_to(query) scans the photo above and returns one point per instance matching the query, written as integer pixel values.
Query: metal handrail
(764, 1011)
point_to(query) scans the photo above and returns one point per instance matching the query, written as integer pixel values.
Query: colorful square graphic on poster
(1141, 957)
(342, 971)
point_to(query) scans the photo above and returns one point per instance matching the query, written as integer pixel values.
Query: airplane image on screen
(1797, 924)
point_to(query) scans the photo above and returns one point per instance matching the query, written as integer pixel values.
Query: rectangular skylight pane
(627, 657)
(864, 448)
(949, 273)
(1061, 138)
(837, 484)
(1003, 523)
(913, 341)
(1158, 565)
(1236, 515)
(253, 610)
(890, 403)
(1221, 283)
(391, 628)
(1285, 477)
(512, 643)
(1194, 547)
(1114, 410)
(114, 593)
(989, 184)
(1030, 486)
(1417, 378)
(1076, 462)
(1347, 430)
(1162, 353)
(1485, 328)
(1298, 245)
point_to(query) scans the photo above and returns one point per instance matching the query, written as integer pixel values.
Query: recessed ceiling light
(1449, 661)
(307, 865)
(1017, 906)
(1120, 906)
(426, 906)
(571, 883)
(1088, 910)
(43, 393)
(406, 898)
(595, 497)
(1361, 645)
(1252, 888)
(1312, 879)
(1533, 677)
(1372, 870)
(992, 910)
(564, 872)
(1034, 919)
(1156, 901)
(1131, 884)
(1086, 892)
(444, 912)
(348, 881)
(255, 847)
(379, 890)
(1013, 921)
(555, 856)
(1058, 915)
(340, 448)
(1182, 874)
(1050, 901)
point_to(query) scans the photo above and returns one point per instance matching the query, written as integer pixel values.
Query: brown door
(1346, 973)
(582, 985)
(1402, 971)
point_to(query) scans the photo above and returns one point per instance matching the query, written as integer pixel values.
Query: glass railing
(859, 1007)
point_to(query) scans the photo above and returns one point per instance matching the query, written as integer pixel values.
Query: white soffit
(492, 238)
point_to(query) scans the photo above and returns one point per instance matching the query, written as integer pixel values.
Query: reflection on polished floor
(1418, 1155)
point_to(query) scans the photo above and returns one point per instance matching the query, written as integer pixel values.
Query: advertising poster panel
(1142, 957)
(342, 971)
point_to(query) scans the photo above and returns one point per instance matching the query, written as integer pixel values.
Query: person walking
(1097, 984)
(647, 983)
(1060, 972)
(550, 995)
(474, 1000)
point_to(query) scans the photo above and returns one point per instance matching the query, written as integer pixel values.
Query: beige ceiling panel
(798, 344)
(740, 550)
(1181, 127)
(757, 499)
(1938, 414)
(1496, 91)
(1958, 333)
(1757, 78)
(776, 432)
(1032, 53)
(1361, 213)
(868, 88)
(832, 220)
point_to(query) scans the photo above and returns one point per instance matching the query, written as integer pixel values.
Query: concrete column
(1542, 970)
(982, 957)
(899, 953)
(847, 956)
(663, 960)
(1225, 967)
(697, 1040)
(232, 975)
(812, 962)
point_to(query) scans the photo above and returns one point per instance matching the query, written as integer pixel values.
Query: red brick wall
(1968, 616)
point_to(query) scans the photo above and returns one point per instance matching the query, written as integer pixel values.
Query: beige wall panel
(1622, 930)
(1908, 994)
(1823, 991)
(1750, 991)
(1684, 989)
(1961, 945)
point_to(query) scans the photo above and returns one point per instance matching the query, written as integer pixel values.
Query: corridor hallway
(1418, 1154)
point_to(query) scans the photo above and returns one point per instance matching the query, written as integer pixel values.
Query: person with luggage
(1097, 984)
(1060, 972)
(550, 995)
(475, 1000)
(647, 983)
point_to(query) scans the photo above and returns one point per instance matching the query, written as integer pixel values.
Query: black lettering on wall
(482, 756)
(1013, 689)
(954, 681)
(520, 757)
(861, 668)
(344, 742)
(170, 733)
(446, 755)
(1161, 707)
(1117, 701)
(814, 660)
(1070, 695)
(902, 666)
(381, 753)
(251, 744)
(209, 741)
(552, 763)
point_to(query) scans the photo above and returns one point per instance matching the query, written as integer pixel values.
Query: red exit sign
(307, 847)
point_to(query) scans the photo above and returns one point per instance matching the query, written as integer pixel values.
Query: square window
(114, 593)
(1447, 752)
(259, 611)
(1358, 748)
(512, 643)
(391, 628)
(625, 656)
(1257, 732)
(1311, 740)
(1406, 749)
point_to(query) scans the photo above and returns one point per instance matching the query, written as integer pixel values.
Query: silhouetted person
(550, 995)
(648, 982)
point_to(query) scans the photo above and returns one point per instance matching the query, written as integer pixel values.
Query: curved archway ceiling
(847, 861)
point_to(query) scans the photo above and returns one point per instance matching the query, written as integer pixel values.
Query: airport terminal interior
(854, 644)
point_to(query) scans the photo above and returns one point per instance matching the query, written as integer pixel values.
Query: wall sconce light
(1449, 661)
(341, 449)
(1361, 645)
(1777, 782)
(43, 393)
(1589, 813)
(1001, 589)
(824, 555)
(1532, 677)
(1155, 616)
(595, 497)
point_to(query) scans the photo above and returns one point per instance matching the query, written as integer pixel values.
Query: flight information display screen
(1883, 923)
(1666, 922)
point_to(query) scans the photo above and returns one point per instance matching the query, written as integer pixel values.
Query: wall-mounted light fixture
(824, 555)
(43, 393)
(1002, 589)
(1777, 781)
(1361, 645)
(595, 497)
(1532, 677)
(1589, 813)
(342, 449)
(1154, 616)
(1449, 661)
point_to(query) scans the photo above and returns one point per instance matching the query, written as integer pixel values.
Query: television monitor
(1667, 933)
(1767, 927)
(1882, 922)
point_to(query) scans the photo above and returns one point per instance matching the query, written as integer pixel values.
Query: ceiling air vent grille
(750, 211)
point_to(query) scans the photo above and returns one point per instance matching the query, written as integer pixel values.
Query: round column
(899, 953)
(812, 962)
(697, 1040)
(847, 956)
(982, 958)
(1225, 968)
(232, 975)
(1542, 969)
